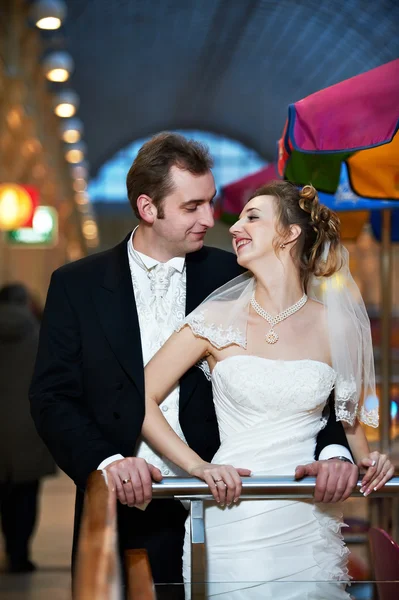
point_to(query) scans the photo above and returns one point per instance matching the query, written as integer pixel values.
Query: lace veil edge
(351, 347)
(222, 317)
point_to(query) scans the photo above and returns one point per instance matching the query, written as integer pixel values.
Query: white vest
(154, 334)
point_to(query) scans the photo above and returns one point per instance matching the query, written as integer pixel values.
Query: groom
(107, 315)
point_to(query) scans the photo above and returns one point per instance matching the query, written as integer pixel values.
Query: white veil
(350, 339)
(222, 319)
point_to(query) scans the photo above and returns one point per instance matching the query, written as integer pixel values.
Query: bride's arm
(162, 373)
(179, 353)
(357, 441)
(379, 468)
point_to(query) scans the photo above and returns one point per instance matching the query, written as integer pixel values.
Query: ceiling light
(66, 103)
(89, 229)
(82, 198)
(58, 66)
(76, 152)
(80, 185)
(49, 14)
(71, 130)
(80, 171)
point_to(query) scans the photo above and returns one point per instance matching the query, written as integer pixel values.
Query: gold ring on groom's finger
(126, 481)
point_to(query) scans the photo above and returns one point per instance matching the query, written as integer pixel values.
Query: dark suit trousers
(18, 507)
(160, 530)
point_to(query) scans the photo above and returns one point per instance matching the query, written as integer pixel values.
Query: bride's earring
(282, 246)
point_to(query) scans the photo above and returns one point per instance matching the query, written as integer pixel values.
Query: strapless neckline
(273, 360)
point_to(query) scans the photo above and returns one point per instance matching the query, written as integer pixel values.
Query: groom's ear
(146, 209)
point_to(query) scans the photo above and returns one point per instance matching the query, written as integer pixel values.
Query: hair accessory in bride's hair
(326, 250)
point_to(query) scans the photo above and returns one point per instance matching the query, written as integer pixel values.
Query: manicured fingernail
(373, 463)
(375, 489)
(362, 490)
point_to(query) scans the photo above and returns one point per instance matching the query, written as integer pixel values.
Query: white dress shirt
(154, 334)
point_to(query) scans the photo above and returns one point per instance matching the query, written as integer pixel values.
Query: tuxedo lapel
(117, 311)
(193, 298)
(193, 282)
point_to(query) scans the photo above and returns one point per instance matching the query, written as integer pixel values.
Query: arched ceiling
(227, 66)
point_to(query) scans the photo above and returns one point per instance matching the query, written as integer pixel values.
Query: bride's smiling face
(255, 231)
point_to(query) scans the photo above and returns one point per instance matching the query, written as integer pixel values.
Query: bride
(275, 342)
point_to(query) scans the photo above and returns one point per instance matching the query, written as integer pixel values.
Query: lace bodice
(286, 398)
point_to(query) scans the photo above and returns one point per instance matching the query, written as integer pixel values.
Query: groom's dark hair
(150, 171)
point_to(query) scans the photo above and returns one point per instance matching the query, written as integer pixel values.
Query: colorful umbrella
(355, 121)
(345, 199)
(356, 210)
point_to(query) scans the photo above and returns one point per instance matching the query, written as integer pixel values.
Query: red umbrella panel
(234, 196)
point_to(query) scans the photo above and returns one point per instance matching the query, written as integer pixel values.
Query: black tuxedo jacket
(87, 393)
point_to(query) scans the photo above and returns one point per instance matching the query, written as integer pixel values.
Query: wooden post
(139, 578)
(97, 573)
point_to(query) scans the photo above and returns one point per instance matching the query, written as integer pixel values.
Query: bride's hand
(379, 471)
(224, 481)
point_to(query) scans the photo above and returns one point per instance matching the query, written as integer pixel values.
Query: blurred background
(83, 83)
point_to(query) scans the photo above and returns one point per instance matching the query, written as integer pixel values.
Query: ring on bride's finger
(217, 480)
(126, 481)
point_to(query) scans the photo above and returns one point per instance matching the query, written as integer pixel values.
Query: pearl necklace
(272, 336)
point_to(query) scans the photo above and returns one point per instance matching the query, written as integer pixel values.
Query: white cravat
(160, 279)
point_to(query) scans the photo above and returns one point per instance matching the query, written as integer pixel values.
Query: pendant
(272, 337)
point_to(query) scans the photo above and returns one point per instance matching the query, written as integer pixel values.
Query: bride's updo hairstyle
(317, 222)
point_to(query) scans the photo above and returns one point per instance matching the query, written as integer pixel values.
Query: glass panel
(281, 590)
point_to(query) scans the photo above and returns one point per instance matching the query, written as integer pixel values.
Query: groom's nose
(207, 219)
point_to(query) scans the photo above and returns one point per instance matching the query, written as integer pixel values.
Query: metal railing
(253, 488)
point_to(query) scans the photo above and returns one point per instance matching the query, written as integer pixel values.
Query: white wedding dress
(269, 414)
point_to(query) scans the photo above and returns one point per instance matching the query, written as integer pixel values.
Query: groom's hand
(335, 479)
(138, 476)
